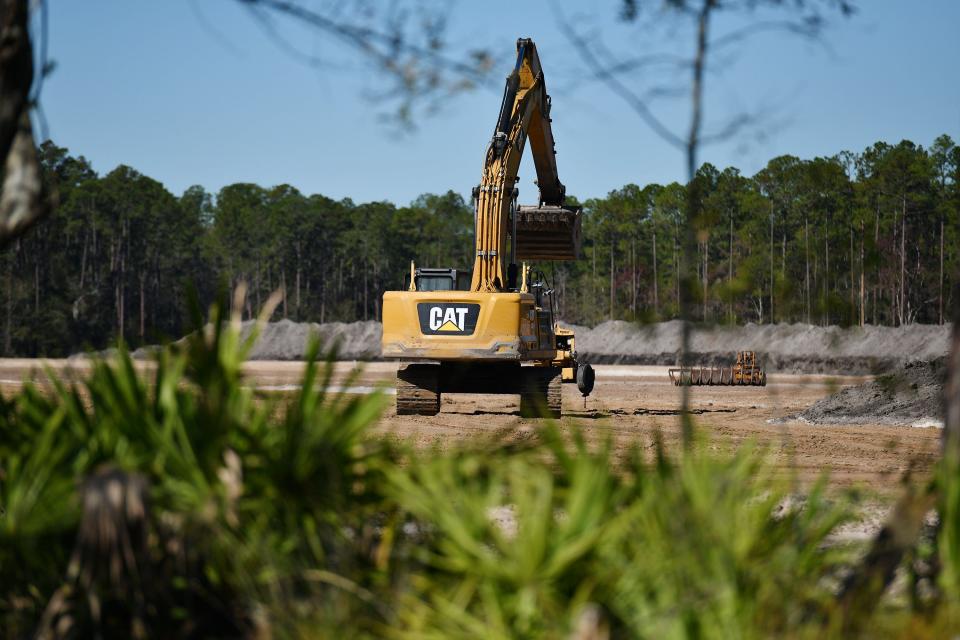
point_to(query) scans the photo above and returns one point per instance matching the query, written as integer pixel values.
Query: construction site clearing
(634, 405)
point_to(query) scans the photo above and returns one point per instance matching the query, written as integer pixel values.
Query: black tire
(585, 379)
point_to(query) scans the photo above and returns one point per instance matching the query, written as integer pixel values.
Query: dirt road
(631, 404)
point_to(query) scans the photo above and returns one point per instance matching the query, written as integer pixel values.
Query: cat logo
(448, 318)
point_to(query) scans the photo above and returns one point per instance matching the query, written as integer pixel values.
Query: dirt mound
(910, 395)
(785, 348)
(288, 340)
(789, 348)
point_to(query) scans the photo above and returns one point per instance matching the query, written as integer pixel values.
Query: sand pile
(791, 348)
(788, 348)
(910, 395)
(288, 340)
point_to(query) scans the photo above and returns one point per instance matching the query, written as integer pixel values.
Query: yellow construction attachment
(547, 233)
(745, 372)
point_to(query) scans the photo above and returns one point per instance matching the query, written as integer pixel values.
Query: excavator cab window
(434, 283)
(435, 279)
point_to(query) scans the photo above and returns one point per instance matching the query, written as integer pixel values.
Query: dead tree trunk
(656, 300)
(143, 306)
(123, 293)
(853, 304)
(256, 286)
(706, 275)
(806, 253)
(862, 279)
(772, 315)
(676, 265)
(633, 277)
(298, 277)
(903, 260)
(36, 283)
(83, 260)
(940, 296)
(730, 274)
(8, 321)
(611, 278)
(876, 245)
(783, 258)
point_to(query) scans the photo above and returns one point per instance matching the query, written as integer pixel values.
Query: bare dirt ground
(631, 404)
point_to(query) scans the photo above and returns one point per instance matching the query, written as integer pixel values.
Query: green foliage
(694, 547)
(825, 241)
(240, 502)
(720, 549)
(512, 555)
(949, 547)
(175, 500)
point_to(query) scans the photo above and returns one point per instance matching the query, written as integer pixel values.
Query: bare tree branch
(609, 78)
(809, 25)
(417, 60)
(697, 14)
(799, 28)
(733, 127)
(263, 19)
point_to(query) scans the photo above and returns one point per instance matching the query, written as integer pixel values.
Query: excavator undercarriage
(421, 385)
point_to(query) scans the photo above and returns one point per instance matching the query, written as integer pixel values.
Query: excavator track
(418, 390)
(540, 392)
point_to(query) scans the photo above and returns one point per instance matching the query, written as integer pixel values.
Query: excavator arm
(549, 231)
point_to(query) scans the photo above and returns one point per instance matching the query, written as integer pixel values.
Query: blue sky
(193, 92)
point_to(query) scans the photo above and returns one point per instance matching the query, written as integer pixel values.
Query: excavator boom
(549, 231)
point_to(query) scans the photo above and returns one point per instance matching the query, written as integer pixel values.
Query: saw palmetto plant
(177, 501)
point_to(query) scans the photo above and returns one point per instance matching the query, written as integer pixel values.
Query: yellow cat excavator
(494, 330)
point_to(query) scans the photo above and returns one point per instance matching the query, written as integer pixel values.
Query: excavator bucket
(746, 372)
(548, 233)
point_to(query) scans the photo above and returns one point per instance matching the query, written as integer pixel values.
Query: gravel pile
(786, 348)
(910, 395)
(288, 340)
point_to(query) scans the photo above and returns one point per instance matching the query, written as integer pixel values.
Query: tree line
(852, 239)
(857, 238)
